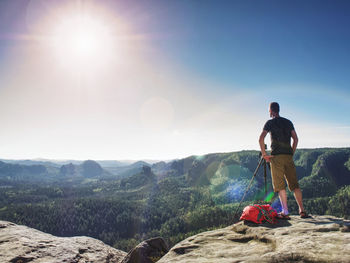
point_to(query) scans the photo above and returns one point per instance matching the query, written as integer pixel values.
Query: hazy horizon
(148, 160)
(162, 80)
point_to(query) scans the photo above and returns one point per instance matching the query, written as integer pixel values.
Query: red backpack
(259, 213)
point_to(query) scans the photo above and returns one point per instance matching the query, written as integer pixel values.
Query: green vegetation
(173, 200)
(339, 204)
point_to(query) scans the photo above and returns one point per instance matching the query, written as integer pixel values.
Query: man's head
(274, 109)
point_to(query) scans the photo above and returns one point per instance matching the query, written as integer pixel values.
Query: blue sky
(181, 78)
(247, 42)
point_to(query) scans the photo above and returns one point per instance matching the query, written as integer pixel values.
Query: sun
(82, 40)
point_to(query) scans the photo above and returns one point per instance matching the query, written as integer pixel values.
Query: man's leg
(278, 183)
(299, 198)
(283, 199)
(293, 184)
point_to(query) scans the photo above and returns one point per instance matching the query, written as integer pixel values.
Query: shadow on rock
(148, 251)
(279, 223)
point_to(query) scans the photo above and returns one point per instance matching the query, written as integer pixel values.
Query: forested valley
(125, 204)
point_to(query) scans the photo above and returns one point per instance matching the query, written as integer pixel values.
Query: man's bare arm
(262, 142)
(295, 140)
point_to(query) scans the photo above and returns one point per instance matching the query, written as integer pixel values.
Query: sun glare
(82, 41)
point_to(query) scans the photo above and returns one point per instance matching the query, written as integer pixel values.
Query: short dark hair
(275, 107)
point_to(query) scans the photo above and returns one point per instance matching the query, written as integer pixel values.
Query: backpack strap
(266, 214)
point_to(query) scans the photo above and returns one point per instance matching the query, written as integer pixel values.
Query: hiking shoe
(283, 216)
(303, 214)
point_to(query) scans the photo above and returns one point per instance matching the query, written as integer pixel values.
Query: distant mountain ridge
(58, 163)
(331, 164)
(18, 172)
(38, 171)
(327, 167)
(88, 169)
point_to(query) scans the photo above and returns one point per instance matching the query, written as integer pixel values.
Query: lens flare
(235, 191)
(269, 197)
(229, 183)
(276, 204)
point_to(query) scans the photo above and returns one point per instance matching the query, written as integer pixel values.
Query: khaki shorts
(283, 168)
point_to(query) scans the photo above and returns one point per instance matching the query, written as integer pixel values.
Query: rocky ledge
(315, 239)
(20, 244)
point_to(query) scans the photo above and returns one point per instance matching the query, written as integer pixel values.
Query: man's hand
(295, 140)
(262, 146)
(268, 158)
(262, 142)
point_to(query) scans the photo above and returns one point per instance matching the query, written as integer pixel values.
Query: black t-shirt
(280, 129)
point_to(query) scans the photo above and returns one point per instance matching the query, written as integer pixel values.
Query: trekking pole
(265, 180)
(249, 185)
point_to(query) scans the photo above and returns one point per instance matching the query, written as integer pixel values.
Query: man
(281, 158)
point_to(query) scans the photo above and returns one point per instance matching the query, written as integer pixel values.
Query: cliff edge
(315, 239)
(20, 244)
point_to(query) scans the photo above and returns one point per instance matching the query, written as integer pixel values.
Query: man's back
(280, 129)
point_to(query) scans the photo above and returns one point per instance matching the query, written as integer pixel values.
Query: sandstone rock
(20, 244)
(316, 239)
(148, 251)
